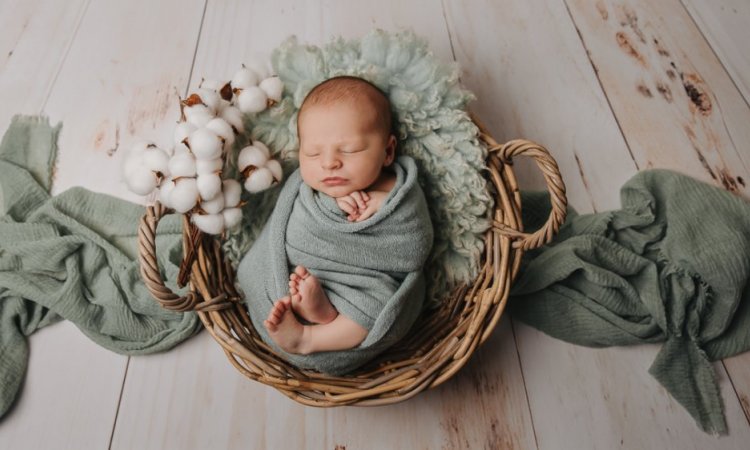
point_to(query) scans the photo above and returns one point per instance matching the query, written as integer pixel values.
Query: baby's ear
(390, 151)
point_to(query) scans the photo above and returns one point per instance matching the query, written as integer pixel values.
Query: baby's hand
(353, 204)
(373, 204)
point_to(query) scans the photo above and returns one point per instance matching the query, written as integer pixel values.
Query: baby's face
(341, 148)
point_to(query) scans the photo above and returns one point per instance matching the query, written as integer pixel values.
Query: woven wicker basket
(439, 343)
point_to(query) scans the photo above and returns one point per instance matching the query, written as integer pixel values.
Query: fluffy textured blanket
(430, 122)
(370, 270)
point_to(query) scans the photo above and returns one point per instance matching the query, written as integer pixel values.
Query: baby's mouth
(334, 181)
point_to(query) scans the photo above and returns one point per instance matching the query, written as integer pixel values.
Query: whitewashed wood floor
(610, 87)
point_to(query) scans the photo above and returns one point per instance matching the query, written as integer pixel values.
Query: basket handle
(150, 267)
(555, 184)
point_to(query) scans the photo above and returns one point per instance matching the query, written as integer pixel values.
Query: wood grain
(34, 41)
(107, 81)
(676, 104)
(121, 83)
(724, 25)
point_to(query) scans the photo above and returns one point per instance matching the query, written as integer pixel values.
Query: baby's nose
(331, 162)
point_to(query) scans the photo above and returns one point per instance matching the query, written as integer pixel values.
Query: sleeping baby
(336, 275)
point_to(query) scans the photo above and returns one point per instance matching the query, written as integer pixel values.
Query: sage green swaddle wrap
(370, 270)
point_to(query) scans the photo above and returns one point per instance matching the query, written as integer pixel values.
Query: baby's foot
(284, 328)
(308, 298)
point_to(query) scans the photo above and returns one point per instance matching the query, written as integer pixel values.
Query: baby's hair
(347, 88)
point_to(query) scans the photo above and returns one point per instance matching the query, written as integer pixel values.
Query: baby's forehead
(344, 112)
(360, 102)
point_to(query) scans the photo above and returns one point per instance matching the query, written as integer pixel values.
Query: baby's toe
(296, 298)
(301, 271)
(272, 319)
(272, 327)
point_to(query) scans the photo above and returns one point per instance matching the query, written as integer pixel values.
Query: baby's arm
(341, 333)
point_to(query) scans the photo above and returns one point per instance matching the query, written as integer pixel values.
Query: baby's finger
(361, 203)
(347, 207)
(350, 201)
(366, 214)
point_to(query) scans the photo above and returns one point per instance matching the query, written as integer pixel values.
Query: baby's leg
(308, 298)
(340, 334)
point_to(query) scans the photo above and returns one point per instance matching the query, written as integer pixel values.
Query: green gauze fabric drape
(73, 256)
(671, 265)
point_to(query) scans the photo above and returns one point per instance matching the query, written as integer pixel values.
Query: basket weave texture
(437, 346)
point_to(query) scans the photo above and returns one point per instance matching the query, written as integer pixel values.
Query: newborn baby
(355, 237)
(346, 145)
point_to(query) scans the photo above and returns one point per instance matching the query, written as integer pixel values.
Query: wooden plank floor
(609, 86)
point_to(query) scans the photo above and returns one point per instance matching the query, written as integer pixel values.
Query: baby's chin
(335, 191)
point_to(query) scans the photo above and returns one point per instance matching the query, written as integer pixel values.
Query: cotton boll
(260, 179)
(182, 165)
(210, 99)
(232, 217)
(223, 104)
(233, 116)
(209, 223)
(182, 131)
(156, 160)
(263, 148)
(167, 186)
(245, 78)
(199, 115)
(133, 163)
(205, 166)
(139, 147)
(222, 129)
(184, 195)
(273, 87)
(275, 168)
(251, 156)
(141, 180)
(260, 65)
(232, 193)
(208, 83)
(252, 100)
(138, 176)
(214, 205)
(180, 149)
(205, 144)
(209, 185)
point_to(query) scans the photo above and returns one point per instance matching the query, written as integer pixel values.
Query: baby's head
(344, 129)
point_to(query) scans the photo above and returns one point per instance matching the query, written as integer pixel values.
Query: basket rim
(436, 347)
